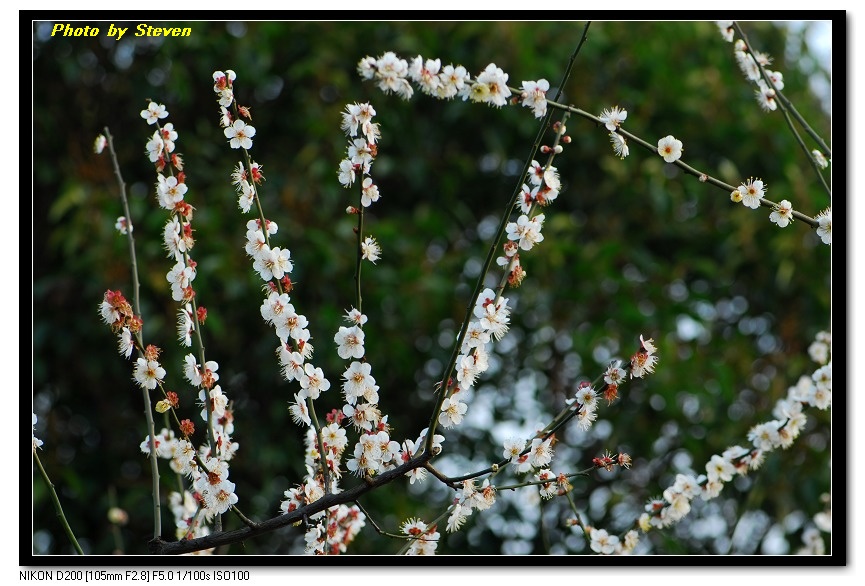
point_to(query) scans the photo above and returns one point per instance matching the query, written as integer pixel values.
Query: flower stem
(57, 506)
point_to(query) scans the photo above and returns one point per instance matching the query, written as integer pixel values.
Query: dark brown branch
(160, 547)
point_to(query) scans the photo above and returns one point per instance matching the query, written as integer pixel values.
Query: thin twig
(148, 411)
(57, 507)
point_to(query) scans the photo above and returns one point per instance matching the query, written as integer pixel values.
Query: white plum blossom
(765, 436)
(313, 382)
(299, 412)
(390, 71)
(613, 117)
(350, 342)
(370, 249)
(748, 65)
(765, 96)
(494, 315)
(99, 144)
(540, 452)
(670, 148)
(726, 29)
(246, 197)
(602, 542)
(454, 80)
(346, 173)
(820, 159)
(782, 214)
(154, 113)
(125, 343)
(525, 231)
(751, 192)
(426, 74)
(452, 412)
(148, 373)
(240, 135)
(358, 115)
(355, 316)
(620, 145)
(37, 443)
(777, 79)
(492, 86)
(534, 96)
(358, 377)
(369, 193)
(615, 374)
(824, 229)
(169, 192)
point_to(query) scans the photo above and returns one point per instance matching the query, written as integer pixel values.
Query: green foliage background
(631, 247)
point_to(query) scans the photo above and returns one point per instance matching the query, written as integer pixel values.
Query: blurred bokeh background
(631, 247)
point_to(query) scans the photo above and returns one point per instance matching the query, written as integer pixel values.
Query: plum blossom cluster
(342, 526)
(171, 190)
(188, 517)
(586, 403)
(374, 451)
(362, 150)
(238, 132)
(780, 432)
(37, 443)
(409, 449)
(468, 499)
(117, 312)
(294, 351)
(391, 74)
(612, 118)
(328, 532)
(178, 242)
(277, 310)
(749, 62)
(272, 263)
(207, 471)
(492, 316)
(424, 539)
(160, 147)
(644, 360)
(552, 484)
(669, 147)
(600, 541)
(536, 456)
(207, 468)
(813, 543)
(211, 492)
(542, 187)
(751, 193)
